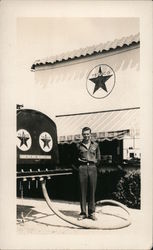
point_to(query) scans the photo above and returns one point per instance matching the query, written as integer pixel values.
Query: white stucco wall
(63, 88)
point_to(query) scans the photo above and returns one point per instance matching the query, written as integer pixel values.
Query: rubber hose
(88, 224)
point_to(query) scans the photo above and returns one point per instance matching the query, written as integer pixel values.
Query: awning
(105, 125)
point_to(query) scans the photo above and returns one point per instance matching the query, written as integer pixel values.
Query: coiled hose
(88, 224)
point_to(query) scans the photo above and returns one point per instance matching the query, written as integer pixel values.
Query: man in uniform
(88, 157)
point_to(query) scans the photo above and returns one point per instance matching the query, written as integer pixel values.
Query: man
(88, 157)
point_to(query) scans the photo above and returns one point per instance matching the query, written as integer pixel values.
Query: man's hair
(85, 129)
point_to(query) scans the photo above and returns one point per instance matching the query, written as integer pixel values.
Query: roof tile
(89, 50)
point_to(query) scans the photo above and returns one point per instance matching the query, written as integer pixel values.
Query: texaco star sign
(24, 140)
(100, 81)
(45, 141)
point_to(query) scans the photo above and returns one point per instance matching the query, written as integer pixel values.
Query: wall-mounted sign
(24, 140)
(45, 141)
(100, 81)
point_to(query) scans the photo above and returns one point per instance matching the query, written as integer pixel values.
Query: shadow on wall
(77, 71)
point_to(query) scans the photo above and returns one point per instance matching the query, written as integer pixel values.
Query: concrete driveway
(40, 220)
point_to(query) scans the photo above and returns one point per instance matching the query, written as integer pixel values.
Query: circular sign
(24, 140)
(100, 81)
(45, 141)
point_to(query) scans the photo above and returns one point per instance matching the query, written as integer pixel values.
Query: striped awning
(105, 125)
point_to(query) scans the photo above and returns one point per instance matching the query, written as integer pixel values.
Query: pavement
(34, 217)
(38, 218)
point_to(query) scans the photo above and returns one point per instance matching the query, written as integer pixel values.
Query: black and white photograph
(77, 101)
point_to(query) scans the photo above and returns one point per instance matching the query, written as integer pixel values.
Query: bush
(128, 189)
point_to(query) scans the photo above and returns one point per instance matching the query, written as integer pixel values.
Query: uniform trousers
(87, 179)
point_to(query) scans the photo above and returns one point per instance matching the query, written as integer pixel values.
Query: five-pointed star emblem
(100, 81)
(46, 141)
(24, 138)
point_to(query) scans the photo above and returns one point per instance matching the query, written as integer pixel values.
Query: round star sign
(45, 141)
(24, 140)
(100, 81)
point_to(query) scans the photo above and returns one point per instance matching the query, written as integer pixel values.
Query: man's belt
(84, 162)
(90, 163)
(87, 163)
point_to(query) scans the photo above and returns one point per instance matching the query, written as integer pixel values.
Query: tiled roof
(88, 51)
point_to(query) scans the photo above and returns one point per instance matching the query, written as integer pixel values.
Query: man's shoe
(92, 217)
(82, 217)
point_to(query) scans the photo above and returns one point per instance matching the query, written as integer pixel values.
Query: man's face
(86, 135)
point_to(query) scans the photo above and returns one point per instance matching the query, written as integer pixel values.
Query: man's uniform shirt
(89, 153)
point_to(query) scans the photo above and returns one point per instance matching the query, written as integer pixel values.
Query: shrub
(128, 189)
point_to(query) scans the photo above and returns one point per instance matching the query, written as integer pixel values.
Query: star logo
(101, 81)
(45, 141)
(23, 140)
